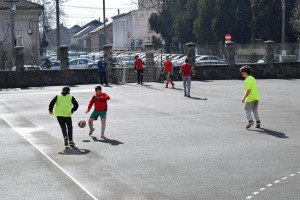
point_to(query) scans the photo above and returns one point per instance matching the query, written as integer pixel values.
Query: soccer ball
(82, 123)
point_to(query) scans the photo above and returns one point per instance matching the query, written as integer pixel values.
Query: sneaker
(250, 124)
(91, 131)
(257, 124)
(173, 86)
(166, 86)
(72, 143)
(189, 95)
(66, 140)
(185, 95)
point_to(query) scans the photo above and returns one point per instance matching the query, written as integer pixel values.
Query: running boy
(251, 96)
(64, 105)
(99, 100)
(168, 69)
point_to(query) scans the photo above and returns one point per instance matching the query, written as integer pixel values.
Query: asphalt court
(161, 145)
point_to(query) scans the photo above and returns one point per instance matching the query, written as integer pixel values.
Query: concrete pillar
(150, 72)
(64, 57)
(230, 53)
(190, 52)
(111, 77)
(19, 59)
(269, 52)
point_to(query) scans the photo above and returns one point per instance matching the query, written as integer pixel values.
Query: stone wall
(13, 79)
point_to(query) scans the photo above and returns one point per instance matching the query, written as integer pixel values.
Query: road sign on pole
(227, 37)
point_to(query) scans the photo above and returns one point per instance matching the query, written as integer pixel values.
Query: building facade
(26, 29)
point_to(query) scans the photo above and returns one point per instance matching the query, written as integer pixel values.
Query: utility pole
(104, 28)
(57, 29)
(283, 26)
(12, 30)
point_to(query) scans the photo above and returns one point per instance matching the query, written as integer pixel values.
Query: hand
(50, 112)
(86, 111)
(243, 100)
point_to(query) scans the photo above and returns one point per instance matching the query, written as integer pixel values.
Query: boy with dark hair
(168, 69)
(186, 70)
(138, 65)
(64, 105)
(251, 96)
(99, 100)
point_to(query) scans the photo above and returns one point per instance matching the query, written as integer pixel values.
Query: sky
(80, 12)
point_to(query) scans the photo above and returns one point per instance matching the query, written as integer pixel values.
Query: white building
(132, 30)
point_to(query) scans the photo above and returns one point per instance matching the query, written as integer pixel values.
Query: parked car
(127, 60)
(208, 60)
(78, 63)
(73, 55)
(29, 68)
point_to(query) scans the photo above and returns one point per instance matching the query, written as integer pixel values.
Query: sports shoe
(189, 95)
(166, 86)
(173, 86)
(91, 131)
(72, 143)
(66, 141)
(258, 124)
(250, 124)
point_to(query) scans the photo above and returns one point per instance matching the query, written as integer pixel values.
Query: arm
(75, 105)
(51, 105)
(246, 95)
(104, 96)
(193, 71)
(92, 101)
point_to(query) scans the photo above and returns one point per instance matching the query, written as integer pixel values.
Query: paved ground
(161, 145)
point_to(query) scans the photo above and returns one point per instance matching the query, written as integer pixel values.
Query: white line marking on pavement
(269, 185)
(50, 159)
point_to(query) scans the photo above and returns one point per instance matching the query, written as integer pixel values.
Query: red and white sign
(227, 37)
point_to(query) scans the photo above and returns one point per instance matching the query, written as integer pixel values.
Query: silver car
(81, 63)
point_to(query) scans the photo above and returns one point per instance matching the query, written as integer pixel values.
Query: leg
(101, 78)
(189, 85)
(62, 125)
(70, 128)
(91, 120)
(142, 75)
(105, 79)
(139, 76)
(103, 125)
(256, 116)
(248, 110)
(184, 85)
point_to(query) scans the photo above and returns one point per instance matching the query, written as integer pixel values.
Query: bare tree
(148, 4)
(5, 47)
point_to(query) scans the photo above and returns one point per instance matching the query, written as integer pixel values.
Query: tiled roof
(21, 4)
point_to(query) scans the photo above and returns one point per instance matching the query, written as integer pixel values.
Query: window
(83, 62)
(19, 38)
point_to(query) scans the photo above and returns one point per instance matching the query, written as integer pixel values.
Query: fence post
(269, 52)
(190, 52)
(230, 53)
(64, 57)
(19, 58)
(108, 58)
(150, 72)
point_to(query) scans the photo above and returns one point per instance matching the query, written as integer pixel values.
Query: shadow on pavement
(74, 151)
(270, 132)
(198, 98)
(108, 141)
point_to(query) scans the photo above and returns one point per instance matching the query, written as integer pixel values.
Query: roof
(20, 4)
(107, 24)
(122, 15)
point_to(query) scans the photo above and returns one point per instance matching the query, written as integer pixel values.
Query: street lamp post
(57, 29)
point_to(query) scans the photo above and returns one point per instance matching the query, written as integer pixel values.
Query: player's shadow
(271, 132)
(74, 151)
(198, 98)
(108, 141)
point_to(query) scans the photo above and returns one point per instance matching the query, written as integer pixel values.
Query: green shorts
(167, 74)
(96, 114)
